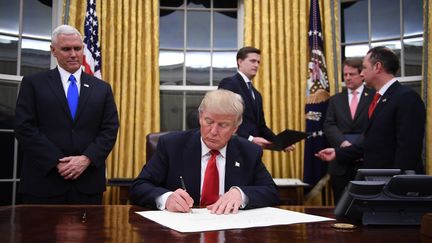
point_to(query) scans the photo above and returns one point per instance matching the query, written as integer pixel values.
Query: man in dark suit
(66, 124)
(345, 121)
(210, 157)
(254, 126)
(394, 135)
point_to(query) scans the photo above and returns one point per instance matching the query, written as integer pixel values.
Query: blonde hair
(223, 102)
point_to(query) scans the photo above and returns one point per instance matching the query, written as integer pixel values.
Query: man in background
(394, 134)
(345, 121)
(66, 124)
(254, 126)
(208, 167)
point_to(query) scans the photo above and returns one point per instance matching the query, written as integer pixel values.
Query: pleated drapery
(279, 29)
(129, 38)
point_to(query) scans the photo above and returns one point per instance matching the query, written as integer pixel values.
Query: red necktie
(373, 104)
(210, 190)
(354, 103)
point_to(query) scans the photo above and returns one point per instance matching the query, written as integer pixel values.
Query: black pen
(182, 183)
(184, 187)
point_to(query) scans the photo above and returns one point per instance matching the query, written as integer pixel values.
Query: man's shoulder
(180, 137)
(244, 144)
(38, 75)
(230, 80)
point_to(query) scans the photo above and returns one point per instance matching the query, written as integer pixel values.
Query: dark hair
(385, 56)
(243, 52)
(354, 63)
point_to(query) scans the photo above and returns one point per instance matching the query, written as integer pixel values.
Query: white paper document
(202, 220)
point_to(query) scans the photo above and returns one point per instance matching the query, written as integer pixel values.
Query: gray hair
(64, 30)
(223, 102)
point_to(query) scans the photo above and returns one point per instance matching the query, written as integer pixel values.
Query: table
(120, 223)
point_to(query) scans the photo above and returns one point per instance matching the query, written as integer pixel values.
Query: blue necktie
(72, 96)
(249, 84)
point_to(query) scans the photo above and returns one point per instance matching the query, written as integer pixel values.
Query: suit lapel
(192, 166)
(85, 91)
(345, 105)
(233, 163)
(383, 101)
(248, 95)
(56, 86)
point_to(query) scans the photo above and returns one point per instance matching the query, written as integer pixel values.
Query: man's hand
(261, 141)
(289, 148)
(327, 154)
(179, 201)
(228, 203)
(345, 143)
(72, 167)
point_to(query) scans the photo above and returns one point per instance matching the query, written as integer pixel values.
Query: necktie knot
(214, 152)
(72, 78)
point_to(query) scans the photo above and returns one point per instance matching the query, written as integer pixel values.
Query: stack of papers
(289, 182)
(202, 220)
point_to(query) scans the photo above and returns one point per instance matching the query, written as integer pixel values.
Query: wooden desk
(120, 223)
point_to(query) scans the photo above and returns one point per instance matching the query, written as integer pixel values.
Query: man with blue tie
(66, 124)
(207, 167)
(254, 126)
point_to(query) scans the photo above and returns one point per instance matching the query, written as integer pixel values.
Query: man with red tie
(394, 134)
(346, 119)
(208, 167)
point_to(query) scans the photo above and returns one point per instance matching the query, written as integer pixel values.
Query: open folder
(286, 138)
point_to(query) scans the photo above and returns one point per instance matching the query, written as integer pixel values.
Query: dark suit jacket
(179, 154)
(394, 135)
(253, 116)
(46, 132)
(339, 123)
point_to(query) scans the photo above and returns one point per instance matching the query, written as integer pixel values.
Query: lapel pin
(366, 94)
(384, 100)
(237, 164)
(86, 85)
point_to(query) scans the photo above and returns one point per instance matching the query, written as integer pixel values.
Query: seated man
(220, 171)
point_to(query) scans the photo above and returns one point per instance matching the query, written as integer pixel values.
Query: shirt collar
(205, 150)
(64, 75)
(245, 78)
(359, 89)
(386, 86)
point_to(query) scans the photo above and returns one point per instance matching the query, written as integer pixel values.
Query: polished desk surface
(120, 223)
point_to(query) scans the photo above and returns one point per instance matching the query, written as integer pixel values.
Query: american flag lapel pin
(237, 164)
(86, 85)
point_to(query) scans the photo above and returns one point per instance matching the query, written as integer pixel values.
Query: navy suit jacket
(253, 115)
(339, 123)
(179, 154)
(46, 132)
(394, 135)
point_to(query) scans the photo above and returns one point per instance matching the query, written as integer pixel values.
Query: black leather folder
(286, 138)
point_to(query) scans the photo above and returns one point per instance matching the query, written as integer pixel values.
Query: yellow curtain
(279, 29)
(129, 35)
(427, 80)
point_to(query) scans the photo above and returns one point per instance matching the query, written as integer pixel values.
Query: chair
(125, 183)
(151, 143)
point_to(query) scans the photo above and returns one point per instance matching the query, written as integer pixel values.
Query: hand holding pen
(179, 200)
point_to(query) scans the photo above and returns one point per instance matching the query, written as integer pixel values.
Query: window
(397, 24)
(198, 45)
(25, 37)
